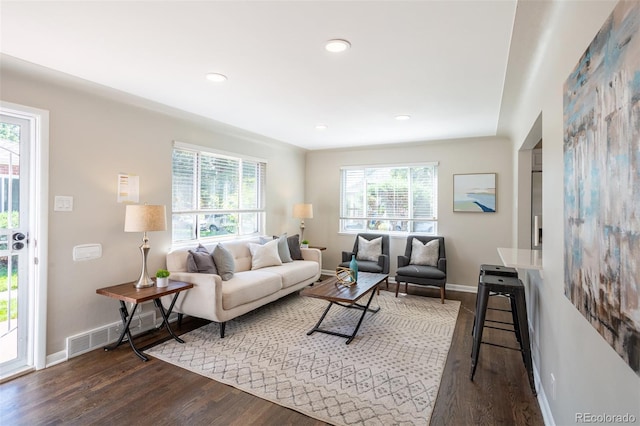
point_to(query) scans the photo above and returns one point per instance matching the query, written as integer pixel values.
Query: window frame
(198, 211)
(411, 221)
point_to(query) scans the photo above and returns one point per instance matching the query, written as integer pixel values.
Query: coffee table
(347, 297)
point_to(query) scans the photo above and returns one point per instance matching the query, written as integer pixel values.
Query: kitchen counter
(521, 258)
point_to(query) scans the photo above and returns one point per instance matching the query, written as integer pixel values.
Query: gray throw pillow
(425, 254)
(224, 262)
(294, 247)
(283, 249)
(200, 261)
(369, 250)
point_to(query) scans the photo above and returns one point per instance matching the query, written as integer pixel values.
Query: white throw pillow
(425, 254)
(264, 255)
(369, 250)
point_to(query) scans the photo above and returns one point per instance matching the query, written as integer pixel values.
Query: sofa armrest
(312, 254)
(403, 261)
(346, 256)
(200, 300)
(442, 264)
(383, 261)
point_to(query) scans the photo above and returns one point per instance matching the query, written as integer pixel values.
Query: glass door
(14, 237)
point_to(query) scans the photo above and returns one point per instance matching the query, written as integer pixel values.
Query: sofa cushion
(239, 249)
(294, 247)
(295, 272)
(201, 261)
(224, 262)
(248, 286)
(365, 266)
(421, 271)
(283, 249)
(425, 254)
(369, 250)
(263, 255)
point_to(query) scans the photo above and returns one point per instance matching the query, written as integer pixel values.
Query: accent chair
(379, 266)
(427, 265)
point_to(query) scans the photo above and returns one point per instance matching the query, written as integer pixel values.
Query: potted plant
(162, 278)
(304, 244)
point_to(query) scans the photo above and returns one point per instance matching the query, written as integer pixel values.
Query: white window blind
(216, 195)
(389, 198)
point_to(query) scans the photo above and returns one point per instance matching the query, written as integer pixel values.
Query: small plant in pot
(304, 244)
(162, 278)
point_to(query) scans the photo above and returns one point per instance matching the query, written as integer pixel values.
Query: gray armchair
(435, 276)
(381, 266)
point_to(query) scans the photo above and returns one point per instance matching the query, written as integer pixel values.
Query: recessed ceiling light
(402, 117)
(337, 45)
(321, 127)
(216, 77)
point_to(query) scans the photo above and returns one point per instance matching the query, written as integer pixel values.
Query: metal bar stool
(514, 289)
(503, 271)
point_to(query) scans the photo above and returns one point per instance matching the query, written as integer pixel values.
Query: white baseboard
(542, 399)
(56, 358)
(101, 336)
(462, 288)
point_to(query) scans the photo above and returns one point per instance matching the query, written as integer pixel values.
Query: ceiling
(444, 63)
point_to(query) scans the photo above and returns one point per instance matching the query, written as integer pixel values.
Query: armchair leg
(398, 287)
(442, 295)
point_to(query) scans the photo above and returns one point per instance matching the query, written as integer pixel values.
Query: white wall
(470, 238)
(590, 376)
(92, 139)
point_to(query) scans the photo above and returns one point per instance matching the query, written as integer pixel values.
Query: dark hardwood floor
(117, 388)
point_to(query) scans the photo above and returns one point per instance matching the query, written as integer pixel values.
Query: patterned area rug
(389, 374)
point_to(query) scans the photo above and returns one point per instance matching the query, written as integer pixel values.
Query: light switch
(87, 252)
(63, 203)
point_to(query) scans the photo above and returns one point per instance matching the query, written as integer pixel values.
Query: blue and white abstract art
(474, 193)
(602, 183)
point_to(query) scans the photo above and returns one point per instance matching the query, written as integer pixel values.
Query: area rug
(389, 374)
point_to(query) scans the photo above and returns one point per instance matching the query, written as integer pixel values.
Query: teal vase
(353, 265)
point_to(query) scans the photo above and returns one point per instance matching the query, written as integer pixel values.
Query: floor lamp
(302, 212)
(145, 218)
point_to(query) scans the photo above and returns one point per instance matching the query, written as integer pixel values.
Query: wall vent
(102, 336)
(77, 345)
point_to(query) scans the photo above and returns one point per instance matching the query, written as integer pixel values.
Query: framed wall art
(602, 181)
(475, 193)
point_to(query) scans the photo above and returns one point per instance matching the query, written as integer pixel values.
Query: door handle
(19, 240)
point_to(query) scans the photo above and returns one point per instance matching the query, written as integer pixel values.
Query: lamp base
(144, 281)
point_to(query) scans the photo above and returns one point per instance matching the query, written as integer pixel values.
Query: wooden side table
(129, 293)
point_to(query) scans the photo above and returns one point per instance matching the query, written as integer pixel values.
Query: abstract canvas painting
(474, 193)
(602, 183)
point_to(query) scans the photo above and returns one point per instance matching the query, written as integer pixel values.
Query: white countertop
(521, 258)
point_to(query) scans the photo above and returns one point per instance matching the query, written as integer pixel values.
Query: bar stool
(503, 271)
(514, 289)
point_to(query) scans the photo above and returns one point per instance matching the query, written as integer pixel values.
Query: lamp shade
(143, 218)
(303, 211)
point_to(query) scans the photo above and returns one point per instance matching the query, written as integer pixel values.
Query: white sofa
(217, 300)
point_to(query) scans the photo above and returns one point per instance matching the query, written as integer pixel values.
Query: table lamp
(302, 212)
(145, 218)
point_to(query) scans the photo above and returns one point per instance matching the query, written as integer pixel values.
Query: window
(389, 199)
(216, 195)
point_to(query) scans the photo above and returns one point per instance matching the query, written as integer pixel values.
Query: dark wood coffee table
(347, 297)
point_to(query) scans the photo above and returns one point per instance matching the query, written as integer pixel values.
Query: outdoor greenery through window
(389, 199)
(216, 195)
